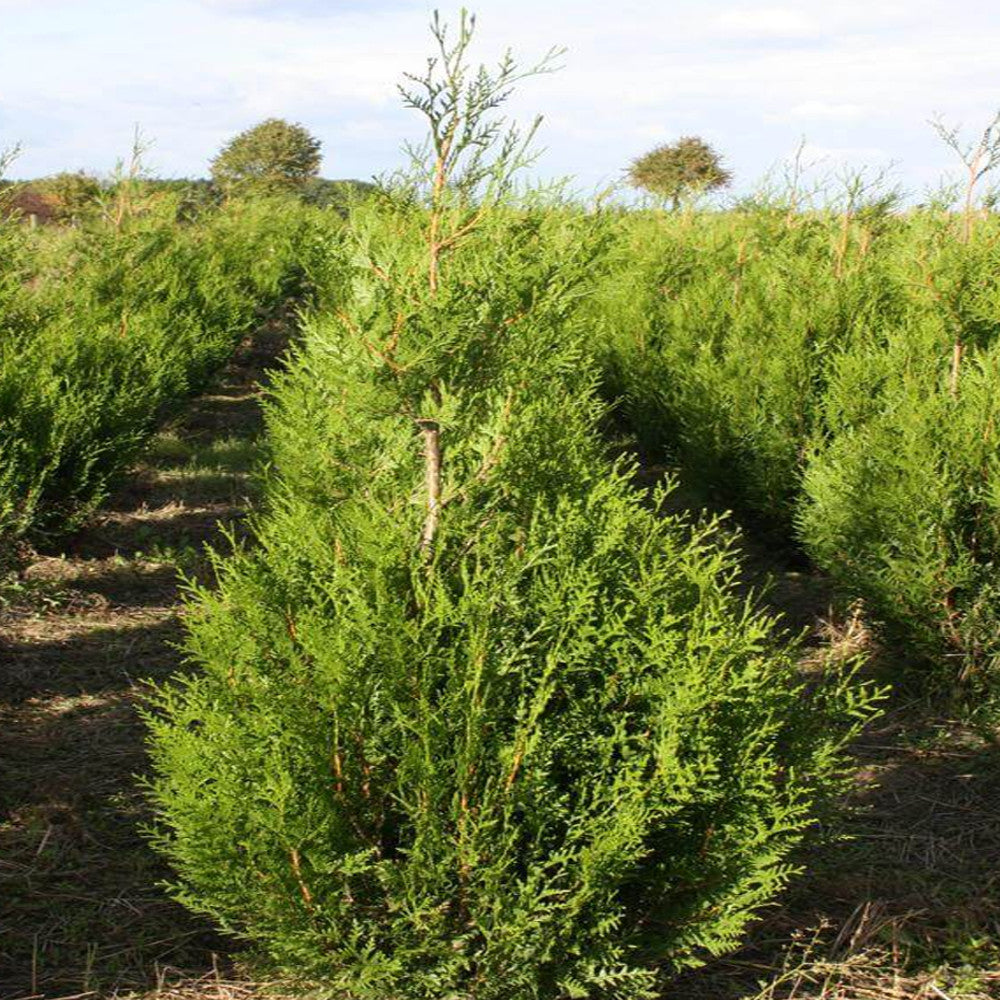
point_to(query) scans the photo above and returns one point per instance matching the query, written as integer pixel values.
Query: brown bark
(956, 362)
(432, 465)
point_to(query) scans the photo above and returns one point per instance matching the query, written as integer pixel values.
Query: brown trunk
(432, 465)
(956, 361)
(969, 191)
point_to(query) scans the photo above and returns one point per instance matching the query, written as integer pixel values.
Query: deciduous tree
(271, 157)
(688, 166)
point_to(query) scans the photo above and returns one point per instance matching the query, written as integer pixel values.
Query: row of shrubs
(837, 378)
(472, 717)
(103, 330)
(82, 199)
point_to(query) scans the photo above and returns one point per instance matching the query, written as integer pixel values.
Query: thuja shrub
(719, 361)
(125, 326)
(902, 506)
(899, 495)
(833, 376)
(19, 308)
(14, 264)
(523, 742)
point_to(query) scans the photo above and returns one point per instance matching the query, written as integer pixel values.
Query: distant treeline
(68, 198)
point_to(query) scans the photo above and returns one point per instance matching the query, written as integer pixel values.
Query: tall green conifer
(473, 719)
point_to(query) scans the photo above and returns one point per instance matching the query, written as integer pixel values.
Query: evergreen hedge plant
(836, 376)
(551, 757)
(120, 326)
(472, 719)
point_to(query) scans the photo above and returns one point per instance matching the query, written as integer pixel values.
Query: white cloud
(833, 156)
(820, 111)
(750, 77)
(287, 9)
(765, 22)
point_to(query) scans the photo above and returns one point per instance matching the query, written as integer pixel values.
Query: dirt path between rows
(81, 913)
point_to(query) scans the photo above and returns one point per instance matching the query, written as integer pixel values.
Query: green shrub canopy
(474, 718)
(550, 756)
(834, 373)
(99, 343)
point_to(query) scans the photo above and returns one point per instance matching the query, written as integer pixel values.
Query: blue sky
(857, 79)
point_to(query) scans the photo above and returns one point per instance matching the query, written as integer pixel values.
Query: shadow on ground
(908, 905)
(84, 628)
(81, 905)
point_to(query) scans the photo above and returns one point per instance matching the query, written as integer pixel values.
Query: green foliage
(338, 195)
(94, 354)
(902, 505)
(718, 354)
(829, 373)
(673, 171)
(548, 759)
(474, 719)
(72, 196)
(15, 269)
(469, 151)
(274, 156)
(192, 198)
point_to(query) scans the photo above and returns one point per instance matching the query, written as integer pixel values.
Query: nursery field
(104, 330)
(482, 691)
(834, 378)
